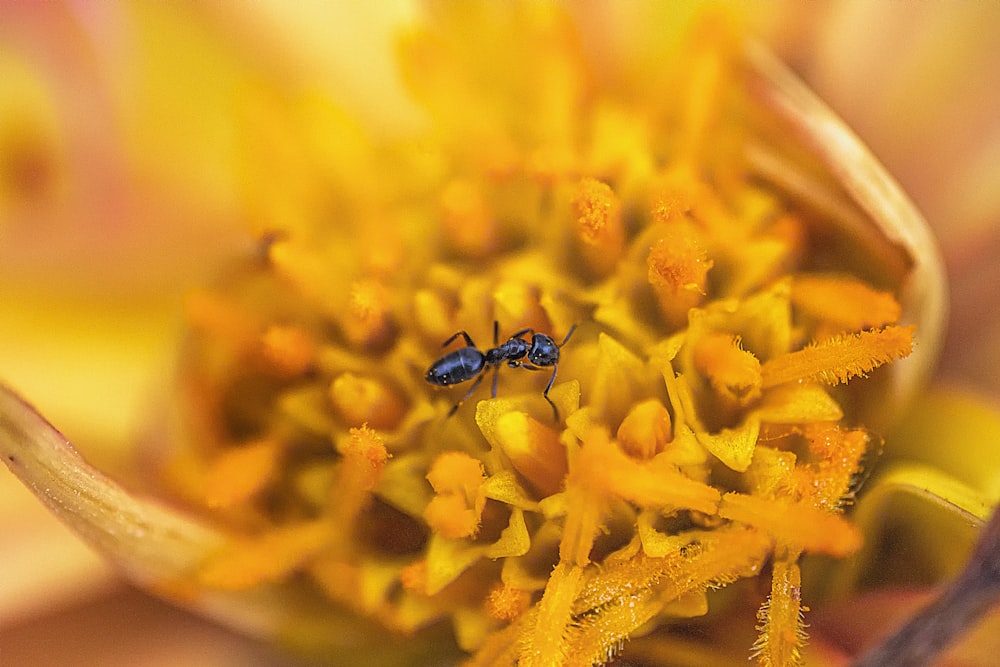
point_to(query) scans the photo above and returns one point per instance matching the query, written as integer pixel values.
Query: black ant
(469, 362)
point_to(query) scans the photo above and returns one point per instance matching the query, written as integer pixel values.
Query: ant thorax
(509, 351)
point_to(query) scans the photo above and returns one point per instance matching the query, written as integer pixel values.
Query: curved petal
(149, 541)
(853, 182)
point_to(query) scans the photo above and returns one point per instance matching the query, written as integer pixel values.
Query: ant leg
(468, 341)
(496, 333)
(555, 410)
(570, 333)
(522, 332)
(475, 385)
(555, 369)
(496, 376)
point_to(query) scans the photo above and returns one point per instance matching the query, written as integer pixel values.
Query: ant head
(544, 351)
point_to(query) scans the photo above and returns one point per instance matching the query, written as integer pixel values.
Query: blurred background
(125, 180)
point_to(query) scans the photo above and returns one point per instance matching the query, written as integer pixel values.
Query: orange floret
(456, 510)
(678, 262)
(674, 196)
(732, 372)
(269, 557)
(534, 450)
(827, 483)
(450, 516)
(645, 429)
(366, 400)
(506, 603)
(678, 266)
(241, 472)
(599, 224)
(289, 350)
(366, 321)
(844, 303)
(359, 470)
(456, 472)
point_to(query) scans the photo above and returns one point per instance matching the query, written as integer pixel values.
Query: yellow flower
(719, 268)
(716, 310)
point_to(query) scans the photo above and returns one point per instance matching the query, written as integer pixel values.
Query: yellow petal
(733, 446)
(798, 404)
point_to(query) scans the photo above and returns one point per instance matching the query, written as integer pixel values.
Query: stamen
(368, 400)
(678, 269)
(546, 643)
(599, 225)
(358, 472)
(506, 603)
(838, 359)
(367, 320)
(780, 622)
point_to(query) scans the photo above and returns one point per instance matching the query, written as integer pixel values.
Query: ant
(469, 362)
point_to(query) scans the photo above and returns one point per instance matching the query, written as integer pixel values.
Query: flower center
(698, 431)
